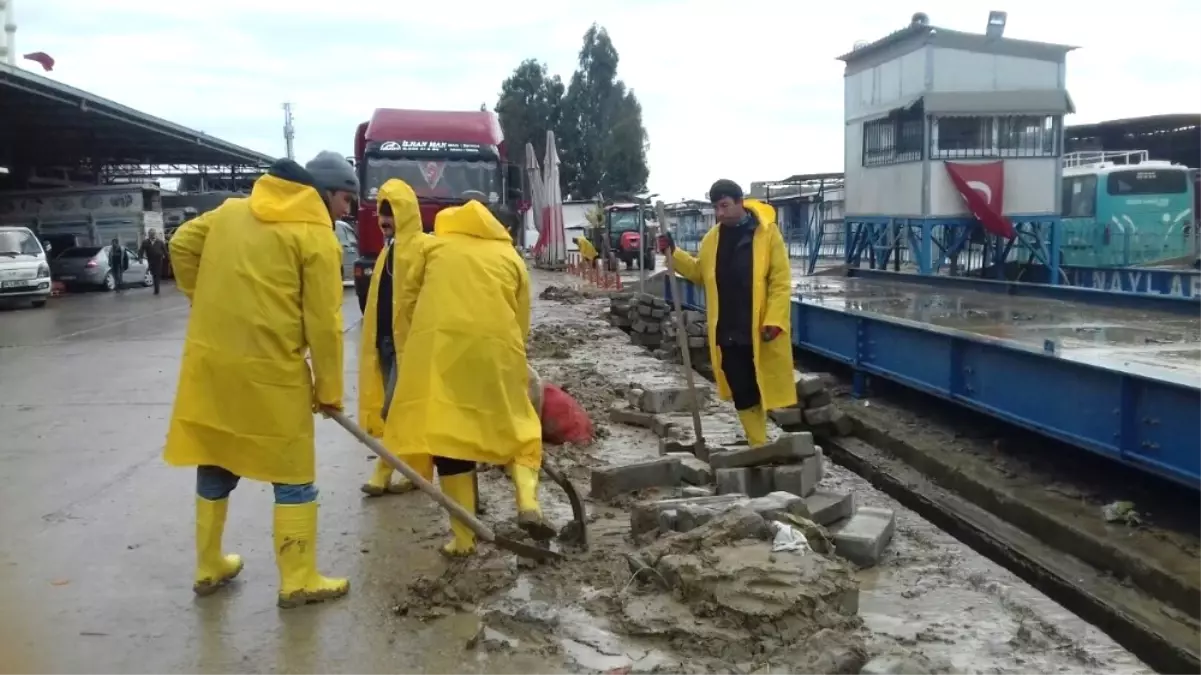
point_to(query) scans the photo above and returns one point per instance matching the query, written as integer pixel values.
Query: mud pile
(719, 592)
(568, 296)
(461, 587)
(556, 340)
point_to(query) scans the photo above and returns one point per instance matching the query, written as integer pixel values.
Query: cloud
(749, 91)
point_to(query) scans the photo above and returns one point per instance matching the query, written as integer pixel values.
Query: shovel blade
(526, 550)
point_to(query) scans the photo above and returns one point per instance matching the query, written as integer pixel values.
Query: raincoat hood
(405, 213)
(764, 213)
(472, 219)
(285, 195)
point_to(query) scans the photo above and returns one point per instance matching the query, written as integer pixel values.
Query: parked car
(349, 241)
(24, 272)
(87, 267)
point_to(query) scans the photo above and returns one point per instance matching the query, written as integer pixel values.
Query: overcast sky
(748, 90)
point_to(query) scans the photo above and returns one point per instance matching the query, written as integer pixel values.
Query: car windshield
(455, 180)
(623, 221)
(18, 242)
(80, 252)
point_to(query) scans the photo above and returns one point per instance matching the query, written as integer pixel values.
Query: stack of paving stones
(778, 480)
(642, 314)
(815, 409)
(696, 328)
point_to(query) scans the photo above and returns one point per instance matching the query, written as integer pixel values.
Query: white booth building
(953, 146)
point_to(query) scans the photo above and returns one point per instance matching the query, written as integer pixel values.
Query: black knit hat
(725, 188)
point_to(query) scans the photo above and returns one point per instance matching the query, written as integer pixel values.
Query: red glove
(666, 243)
(771, 333)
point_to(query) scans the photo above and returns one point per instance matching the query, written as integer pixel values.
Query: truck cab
(447, 157)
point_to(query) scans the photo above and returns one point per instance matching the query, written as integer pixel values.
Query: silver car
(349, 241)
(87, 267)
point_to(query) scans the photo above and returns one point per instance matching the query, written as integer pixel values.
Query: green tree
(603, 142)
(530, 103)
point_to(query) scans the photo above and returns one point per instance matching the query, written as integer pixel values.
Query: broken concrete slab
(615, 480)
(622, 414)
(787, 417)
(693, 470)
(644, 517)
(843, 424)
(827, 507)
(820, 416)
(787, 449)
(662, 426)
(670, 399)
(865, 535)
(808, 384)
(819, 399)
(674, 446)
(772, 504)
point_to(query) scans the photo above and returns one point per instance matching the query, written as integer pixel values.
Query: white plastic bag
(788, 538)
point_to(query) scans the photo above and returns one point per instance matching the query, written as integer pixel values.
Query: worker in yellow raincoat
(462, 392)
(743, 267)
(264, 277)
(400, 220)
(587, 250)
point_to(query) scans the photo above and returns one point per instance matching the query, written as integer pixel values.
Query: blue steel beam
(1091, 296)
(1140, 421)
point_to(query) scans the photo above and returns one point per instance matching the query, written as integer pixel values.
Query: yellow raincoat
(772, 305)
(407, 246)
(587, 250)
(264, 277)
(462, 391)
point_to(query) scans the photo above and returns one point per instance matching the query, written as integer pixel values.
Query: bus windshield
(1147, 182)
(454, 180)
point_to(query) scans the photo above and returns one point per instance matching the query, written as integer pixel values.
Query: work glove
(667, 245)
(771, 333)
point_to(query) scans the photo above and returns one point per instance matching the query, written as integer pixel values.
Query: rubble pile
(815, 409)
(779, 480)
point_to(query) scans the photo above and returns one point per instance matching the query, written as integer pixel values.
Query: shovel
(682, 340)
(481, 530)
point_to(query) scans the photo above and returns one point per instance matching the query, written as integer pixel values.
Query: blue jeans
(213, 483)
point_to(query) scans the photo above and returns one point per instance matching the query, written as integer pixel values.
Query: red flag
(43, 59)
(982, 186)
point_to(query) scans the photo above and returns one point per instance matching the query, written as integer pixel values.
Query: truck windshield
(623, 221)
(436, 178)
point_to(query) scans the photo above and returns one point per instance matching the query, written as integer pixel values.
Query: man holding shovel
(462, 391)
(743, 267)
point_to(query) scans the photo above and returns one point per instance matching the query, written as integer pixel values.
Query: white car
(24, 272)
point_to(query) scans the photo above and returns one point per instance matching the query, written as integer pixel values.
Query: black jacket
(735, 270)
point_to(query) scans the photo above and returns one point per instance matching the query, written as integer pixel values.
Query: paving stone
(799, 479)
(843, 424)
(667, 520)
(808, 384)
(619, 321)
(820, 416)
(787, 449)
(644, 517)
(670, 399)
(732, 481)
(658, 313)
(865, 535)
(695, 342)
(662, 426)
(625, 415)
(612, 481)
(827, 507)
(693, 470)
(670, 446)
(774, 503)
(697, 330)
(787, 417)
(696, 491)
(646, 339)
(645, 310)
(819, 399)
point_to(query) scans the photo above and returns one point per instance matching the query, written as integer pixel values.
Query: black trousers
(156, 273)
(452, 467)
(738, 365)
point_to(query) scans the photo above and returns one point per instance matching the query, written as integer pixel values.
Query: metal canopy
(49, 124)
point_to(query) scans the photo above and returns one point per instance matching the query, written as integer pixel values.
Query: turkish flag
(43, 59)
(982, 186)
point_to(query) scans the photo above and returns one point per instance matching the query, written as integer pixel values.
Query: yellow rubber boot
(529, 512)
(460, 488)
(296, 555)
(380, 481)
(754, 424)
(214, 569)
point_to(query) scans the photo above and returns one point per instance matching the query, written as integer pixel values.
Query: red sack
(564, 420)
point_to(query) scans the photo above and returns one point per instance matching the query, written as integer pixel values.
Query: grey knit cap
(332, 172)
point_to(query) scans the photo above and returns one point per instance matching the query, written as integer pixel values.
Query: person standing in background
(155, 252)
(118, 262)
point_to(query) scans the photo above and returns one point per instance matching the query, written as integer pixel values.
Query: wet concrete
(1155, 344)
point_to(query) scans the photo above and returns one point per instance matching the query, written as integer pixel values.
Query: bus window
(1080, 197)
(1148, 182)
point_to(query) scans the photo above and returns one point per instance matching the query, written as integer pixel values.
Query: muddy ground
(95, 571)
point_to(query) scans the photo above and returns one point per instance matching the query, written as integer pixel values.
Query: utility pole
(8, 44)
(289, 131)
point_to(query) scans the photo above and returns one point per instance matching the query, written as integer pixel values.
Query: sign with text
(430, 148)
